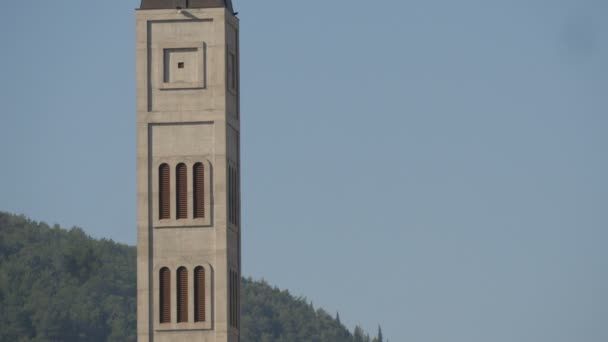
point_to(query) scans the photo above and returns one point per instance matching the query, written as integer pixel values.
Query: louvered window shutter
(234, 299)
(182, 295)
(164, 189)
(238, 301)
(237, 197)
(165, 295)
(233, 196)
(182, 191)
(199, 294)
(229, 193)
(199, 190)
(230, 300)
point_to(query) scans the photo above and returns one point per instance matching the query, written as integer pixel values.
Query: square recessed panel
(182, 65)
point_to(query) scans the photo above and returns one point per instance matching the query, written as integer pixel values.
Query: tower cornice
(170, 4)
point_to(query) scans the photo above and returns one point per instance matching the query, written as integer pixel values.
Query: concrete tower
(188, 155)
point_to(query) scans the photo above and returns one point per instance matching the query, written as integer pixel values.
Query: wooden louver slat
(165, 295)
(164, 189)
(199, 294)
(181, 191)
(199, 190)
(182, 295)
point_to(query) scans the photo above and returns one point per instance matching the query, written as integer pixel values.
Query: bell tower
(188, 171)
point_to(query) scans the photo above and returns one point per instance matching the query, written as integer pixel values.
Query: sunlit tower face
(188, 171)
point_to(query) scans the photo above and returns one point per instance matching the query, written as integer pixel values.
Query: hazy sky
(436, 166)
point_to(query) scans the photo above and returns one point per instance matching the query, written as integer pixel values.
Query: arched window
(199, 190)
(164, 190)
(182, 295)
(181, 187)
(165, 295)
(199, 294)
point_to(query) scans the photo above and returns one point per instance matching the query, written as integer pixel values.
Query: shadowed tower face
(188, 174)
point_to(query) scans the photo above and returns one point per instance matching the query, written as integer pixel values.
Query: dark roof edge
(169, 4)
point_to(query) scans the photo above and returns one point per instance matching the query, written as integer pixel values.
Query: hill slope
(62, 285)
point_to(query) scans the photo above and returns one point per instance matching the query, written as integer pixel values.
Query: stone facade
(188, 113)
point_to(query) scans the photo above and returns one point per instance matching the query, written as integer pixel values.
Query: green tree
(359, 335)
(62, 285)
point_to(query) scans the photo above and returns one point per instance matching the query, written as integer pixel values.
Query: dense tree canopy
(62, 285)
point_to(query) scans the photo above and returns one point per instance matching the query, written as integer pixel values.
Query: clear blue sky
(436, 166)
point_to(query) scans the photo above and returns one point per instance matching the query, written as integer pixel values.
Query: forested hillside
(62, 285)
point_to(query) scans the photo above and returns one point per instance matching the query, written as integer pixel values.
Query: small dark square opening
(180, 65)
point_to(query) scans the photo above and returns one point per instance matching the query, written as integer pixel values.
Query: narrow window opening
(199, 190)
(164, 192)
(182, 295)
(232, 76)
(182, 191)
(229, 194)
(233, 205)
(238, 300)
(165, 295)
(230, 211)
(231, 299)
(234, 298)
(199, 294)
(180, 65)
(237, 197)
